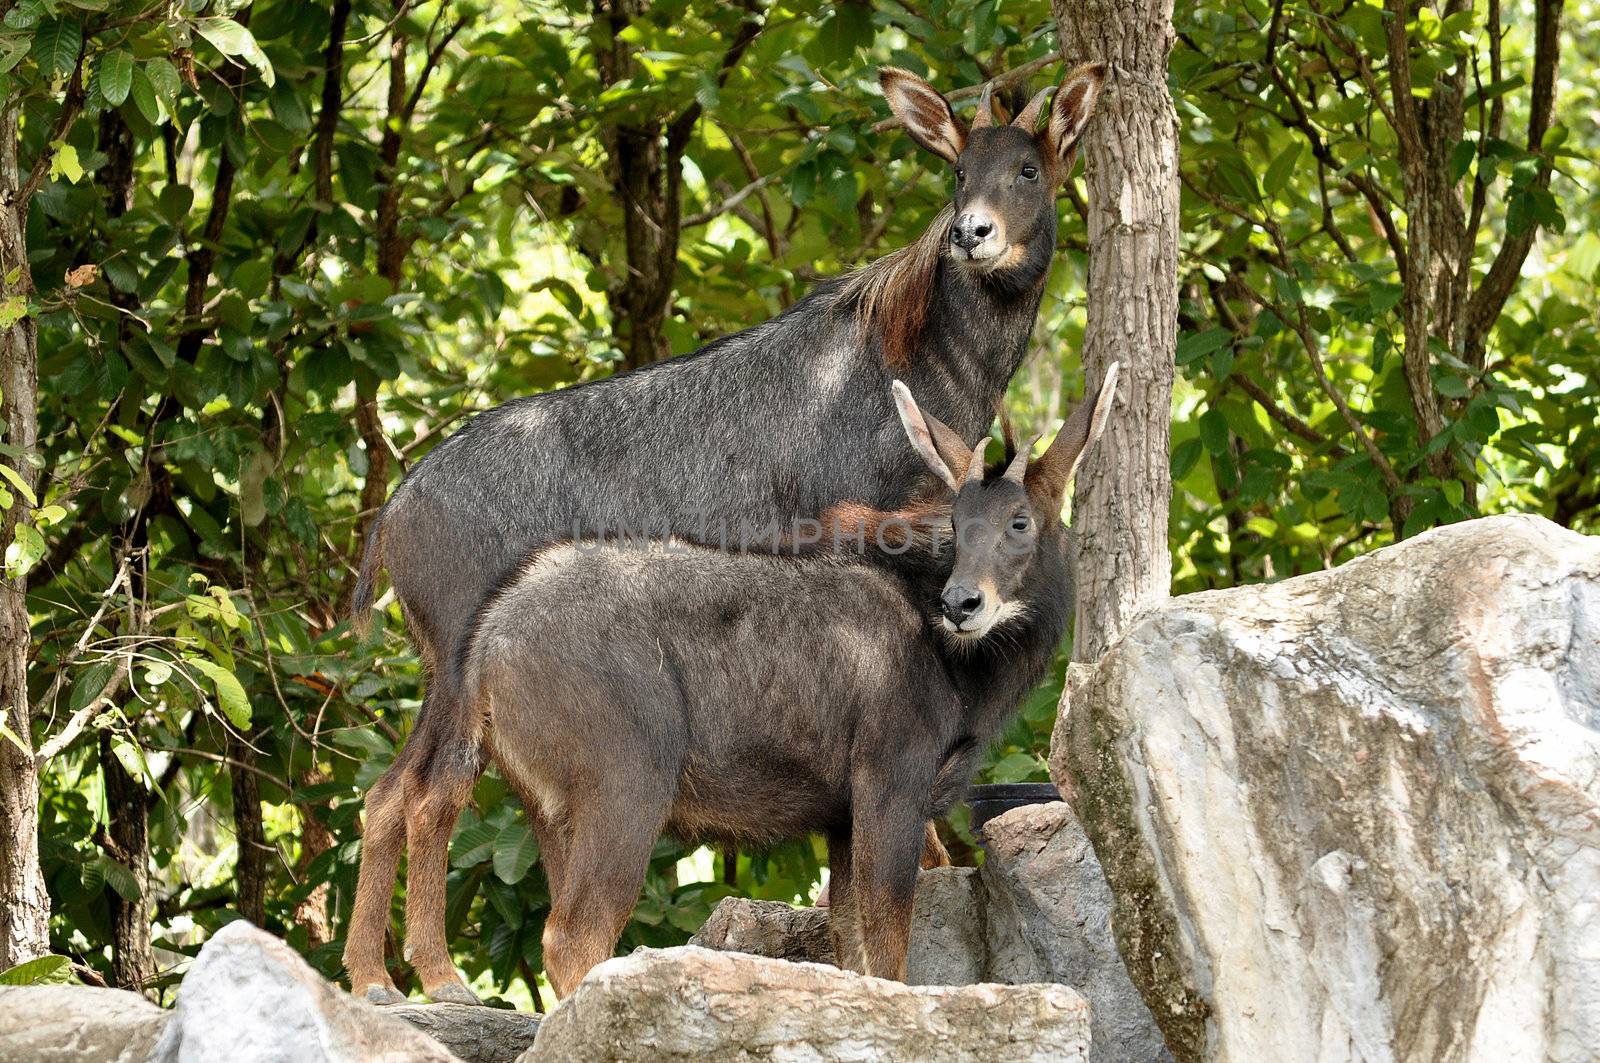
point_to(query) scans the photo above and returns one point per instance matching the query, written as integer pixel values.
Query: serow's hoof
(382, 994)
(453, 993)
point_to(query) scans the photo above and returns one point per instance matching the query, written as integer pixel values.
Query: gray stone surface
(946, 929)
(473, 1034)
(694, 1004)
(1048, 919)
(76, 1024)
(1355, 815)
(767, 928)
(947, 945)
(249, 998)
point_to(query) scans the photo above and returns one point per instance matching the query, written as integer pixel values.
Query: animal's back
(761, 427)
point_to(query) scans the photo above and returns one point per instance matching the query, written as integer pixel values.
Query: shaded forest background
(275, 251)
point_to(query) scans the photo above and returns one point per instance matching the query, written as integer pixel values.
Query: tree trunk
(133, 963)
(250, 868)
(315, 839)
(1119, 507)
(24, 901)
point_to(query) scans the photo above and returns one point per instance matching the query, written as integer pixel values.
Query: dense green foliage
(271, 272)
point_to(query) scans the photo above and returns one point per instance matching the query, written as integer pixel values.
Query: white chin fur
(974, 628)
(984, 252)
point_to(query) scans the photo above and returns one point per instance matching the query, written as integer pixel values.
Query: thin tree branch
(71, 107)
(1485, 304)
(703, 216)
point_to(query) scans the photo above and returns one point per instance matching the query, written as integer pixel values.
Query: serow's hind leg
(439, 798)
(611, 837)
(844, 922)
(382, 840)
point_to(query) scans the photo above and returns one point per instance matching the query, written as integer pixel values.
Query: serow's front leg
(887, 843)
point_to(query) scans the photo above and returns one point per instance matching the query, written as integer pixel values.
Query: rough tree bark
(127, 841)
(646, 172)
(24, 901)
(1120, 503)
(1119, 507)
(250, 868)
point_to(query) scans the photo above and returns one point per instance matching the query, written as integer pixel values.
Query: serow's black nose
(970, 230)
(960, 603)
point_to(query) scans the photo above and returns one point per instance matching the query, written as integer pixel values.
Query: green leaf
(514, 851)
(24, 551)
(837, 39)
(118, 877)
(1193, 345)
(90, 682)
(231, 698)
(44, 970)
(13, 47)
(56, 45)
(230, 38)
(368, 740)
(64, 163)
(25, 14)
(473, 845)
(115, 76)
(131, 757)
(19, 483)
(1184, 456)
(1281, 169)
(163, 78)
(144, 96)
(15, 739)
(1214, 431)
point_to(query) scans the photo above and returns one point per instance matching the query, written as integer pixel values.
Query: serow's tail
(367, 579)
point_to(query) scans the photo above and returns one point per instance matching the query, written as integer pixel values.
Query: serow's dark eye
(961, 175)
(1019, 524)
(1030, 173)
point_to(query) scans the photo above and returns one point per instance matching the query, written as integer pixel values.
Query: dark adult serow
(754, 430)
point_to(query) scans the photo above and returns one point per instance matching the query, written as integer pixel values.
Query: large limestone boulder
(1039, 910)
(1356, 815)
(694, 1004)
(76, 1024)
(249, 998)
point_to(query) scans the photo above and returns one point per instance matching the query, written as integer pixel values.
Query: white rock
(76, 1024)
(1356, 815)
(695, 1004)
(249, 998)
(1047, 918)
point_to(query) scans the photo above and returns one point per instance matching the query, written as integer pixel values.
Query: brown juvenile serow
(626, 689)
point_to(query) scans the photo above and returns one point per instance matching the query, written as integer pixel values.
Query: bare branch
(701, 217)
(1484, 307)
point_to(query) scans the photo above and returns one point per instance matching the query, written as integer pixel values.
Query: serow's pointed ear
(1050, 474)
(940, 449)
(926, 114)
(1070, 112)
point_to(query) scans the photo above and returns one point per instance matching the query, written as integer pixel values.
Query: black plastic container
(996, 799)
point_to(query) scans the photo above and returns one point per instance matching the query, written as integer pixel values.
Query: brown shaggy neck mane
(893, 294)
